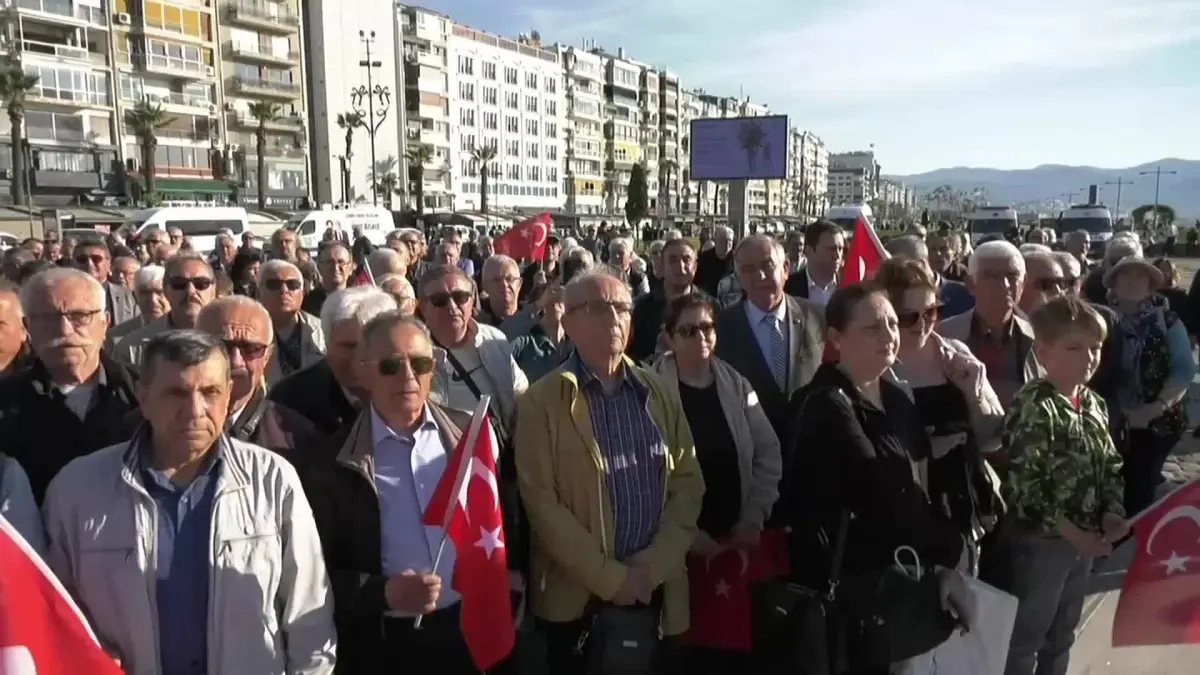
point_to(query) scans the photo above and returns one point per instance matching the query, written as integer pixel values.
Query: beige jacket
(759, 459)
(128, 350)
(270, 607)
(312, 347)
(507, 379)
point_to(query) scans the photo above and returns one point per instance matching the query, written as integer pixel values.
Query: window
(531, 150)
(512, 100)
(551, 84)
(466, 142)
(490, 120)
(466, 117)
(64, 84)
(551, 107)
(466, 91)
(489, 95)
(531, 104)
(551, 130)
(551, 174)
(531, 127)
(512, 148)
(178, 56)
(531, 80)
(512, 171)
(512, 124)
(48, 126)
(510, 75)
(466, 65)
(491, 142)
(489, 70)
(552, 152)
(54, 160)
(176, 19)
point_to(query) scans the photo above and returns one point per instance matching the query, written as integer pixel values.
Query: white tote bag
(983, 650)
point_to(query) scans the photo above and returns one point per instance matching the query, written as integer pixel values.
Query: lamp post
(1119, 182)
(373, 102)
(1158, 174)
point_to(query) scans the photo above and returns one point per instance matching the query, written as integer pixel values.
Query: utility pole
(373, 100)
(1119, 182)
(1158, 174)
(1070, 197)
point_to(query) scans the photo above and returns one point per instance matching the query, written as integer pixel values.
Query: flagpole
(464, 467)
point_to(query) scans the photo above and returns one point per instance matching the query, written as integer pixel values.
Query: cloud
(785, 53)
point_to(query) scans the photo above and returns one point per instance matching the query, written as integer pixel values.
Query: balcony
(289, 151)
(258, 16)
(261, 54)
(68, 99)
(56, 53)
(283, 91)
(176, 135)
(178, 68)
(178, 102)
(287, 123)
(62, 12)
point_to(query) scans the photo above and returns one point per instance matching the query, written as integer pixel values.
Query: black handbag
(622, 640)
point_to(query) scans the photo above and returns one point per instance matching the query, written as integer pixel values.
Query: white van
(991, 222)
(200, 224)
(1095, 219)
(375, 222)
(847, 215)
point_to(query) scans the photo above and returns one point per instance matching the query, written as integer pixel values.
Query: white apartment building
(672, 160)
(425, 77)
(623, 129)
(694, 203)
(808, 174)
(507, 95)
(861, 164)
(583, 142)
(849, 186)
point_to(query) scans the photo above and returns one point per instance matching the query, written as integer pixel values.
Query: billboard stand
(736, 150)
(736, 198)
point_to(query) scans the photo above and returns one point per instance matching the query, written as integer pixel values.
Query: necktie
(778, 351)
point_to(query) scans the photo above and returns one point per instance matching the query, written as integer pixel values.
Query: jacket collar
(232, 471)
(357, 450)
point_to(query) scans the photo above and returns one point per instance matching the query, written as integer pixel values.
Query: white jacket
(270, 608)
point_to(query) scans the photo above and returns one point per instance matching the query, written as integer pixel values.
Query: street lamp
(1158, 174)
(373, 102)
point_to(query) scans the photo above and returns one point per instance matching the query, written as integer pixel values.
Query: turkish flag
(466, 503)
(1160, 599)
(41, 630)
(361, 278)
(719, 590)
(526, 240)
(864, 255)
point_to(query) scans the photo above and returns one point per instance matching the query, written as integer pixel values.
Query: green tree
(144, 120)
(637, 197)
(263, 112)
(15, 85)
(483, 156)
(387, 180)
(418, 156)
(1165, 215)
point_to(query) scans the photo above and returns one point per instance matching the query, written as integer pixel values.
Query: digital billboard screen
(739, 148)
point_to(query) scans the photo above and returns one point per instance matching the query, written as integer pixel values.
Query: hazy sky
(932, 83)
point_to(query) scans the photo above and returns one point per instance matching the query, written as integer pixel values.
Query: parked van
(847, 215)
(1095, 219)
(990, 222)
(200, 224)
(375, 222)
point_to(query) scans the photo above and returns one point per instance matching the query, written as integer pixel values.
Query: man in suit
(824, 250)
(952, 295)
(774, 340)
(94, 258)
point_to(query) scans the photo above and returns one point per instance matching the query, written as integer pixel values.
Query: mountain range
(1045, 188)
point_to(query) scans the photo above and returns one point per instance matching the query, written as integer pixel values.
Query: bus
(200, 224)
(991, 222)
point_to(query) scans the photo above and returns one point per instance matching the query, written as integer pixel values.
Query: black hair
(818, 229)
(185, 348)
(840, 308)
(677, 306)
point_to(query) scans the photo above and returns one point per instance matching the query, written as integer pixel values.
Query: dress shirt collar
(382, 431)
(756, 315)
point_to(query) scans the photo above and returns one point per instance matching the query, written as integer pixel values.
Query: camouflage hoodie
(1061, 459)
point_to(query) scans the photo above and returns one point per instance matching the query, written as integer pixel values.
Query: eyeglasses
(182, 283)
(928, 315)
(334, 262)
(597, 307)
(1051, 284)
(392, 365)
(79, 318)
(84, 259)
(250, 351)
(442, 300)
(508, 279)
(279, 284)
(689, 330)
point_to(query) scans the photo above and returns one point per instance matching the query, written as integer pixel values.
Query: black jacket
(316, 395)
(40, 432)
(647, 322)
(710, 270)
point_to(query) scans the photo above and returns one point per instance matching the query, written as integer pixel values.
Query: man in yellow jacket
(608, 474)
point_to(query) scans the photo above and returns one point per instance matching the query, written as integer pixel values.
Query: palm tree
(15, 85)
(417, 157)
(348, 122)
(145, 119)
(483, 155)
(387, 180)
(263, 112)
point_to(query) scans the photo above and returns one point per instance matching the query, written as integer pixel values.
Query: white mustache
(57, 343)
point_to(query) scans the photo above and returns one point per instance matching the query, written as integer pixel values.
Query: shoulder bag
(620, 639)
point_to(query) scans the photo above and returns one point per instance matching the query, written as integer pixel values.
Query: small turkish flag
(526, 240)
(466, 503)
(1160, 599)
(865, 254)
(719, 590)
(41, 630)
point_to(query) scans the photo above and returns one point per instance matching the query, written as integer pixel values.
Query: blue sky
(932, 83)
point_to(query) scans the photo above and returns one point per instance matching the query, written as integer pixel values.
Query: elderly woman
(622, 256)
(1157, 371)
(737, 449)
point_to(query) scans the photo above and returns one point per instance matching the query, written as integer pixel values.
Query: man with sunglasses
(190, 285)
(298, 339)
(94, 258)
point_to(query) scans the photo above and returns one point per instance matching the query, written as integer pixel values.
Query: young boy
(1063, 486)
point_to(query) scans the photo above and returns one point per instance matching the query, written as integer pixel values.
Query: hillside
(1036, 188)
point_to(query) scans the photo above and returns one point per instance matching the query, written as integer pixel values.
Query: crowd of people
(225, 458)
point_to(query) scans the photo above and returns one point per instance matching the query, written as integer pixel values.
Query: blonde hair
(1065, 315)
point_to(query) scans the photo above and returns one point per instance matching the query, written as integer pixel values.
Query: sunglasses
(96, 260)
(182, 283)
(442, 300)
(689, 330)
(1051, 284)
(392, 365)
(928, 315)
(279, 284)
(250, 351)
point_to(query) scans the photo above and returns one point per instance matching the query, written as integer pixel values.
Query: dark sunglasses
(441, 300)
(910, 319)
(249, 350)
(182, 283)
(392, 365)
(84, 259)
(689, 330)
(1052, 284)
(278, 284)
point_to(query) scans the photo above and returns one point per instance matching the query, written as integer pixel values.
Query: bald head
(236, 317)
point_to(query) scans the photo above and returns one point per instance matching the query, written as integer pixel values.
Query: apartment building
(693, 204)
(623, 129)
(426, 120)
(808, 174)
(670, 162)
(858, 175)
(894, 199)
(508, 95)
(585, 185)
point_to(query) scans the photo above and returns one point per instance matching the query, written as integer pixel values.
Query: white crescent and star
(478, 470)
(489, 541)
(723, 589)
(1176, 563)
(1187, 511)
(745, 557)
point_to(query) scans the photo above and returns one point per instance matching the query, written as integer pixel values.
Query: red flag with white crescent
(526, 240)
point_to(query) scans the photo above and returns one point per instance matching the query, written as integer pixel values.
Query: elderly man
(397, 286)
(1044, 280)
(327, 393)
(678, 268)
(621, 256)
(73, 399)
(189, 284)
(14, 340)
(446, 253)
(716, 263)
(541, 272)
(335, 263)
(298, 339)
(414, 241)
(214, 563)
(502, 286)
(283, 245)
(94, 258)
(994, 330)
(944, 256)
(608, 474)
(152, 301)
(384, 261)
(451, 237)
(953, 296)
(224, 253)
(1078, 243)
(369, 503)
(124, 268)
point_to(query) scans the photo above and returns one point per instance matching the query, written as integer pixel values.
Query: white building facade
(584, 145)
(508, 95)
(426, 116)
(808, 174)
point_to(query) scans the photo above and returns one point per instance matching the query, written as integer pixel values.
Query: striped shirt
(634, 454)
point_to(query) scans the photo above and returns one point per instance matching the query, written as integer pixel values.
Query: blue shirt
(634, 455)
(183, 553)
(408, 467)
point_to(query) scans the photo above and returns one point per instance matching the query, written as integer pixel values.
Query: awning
(193, 185)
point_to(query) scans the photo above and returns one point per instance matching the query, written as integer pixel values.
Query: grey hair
(499, 260)
(46, 279)
(184, 348)
(1077, 235)
(655, 247)
(382, 324)
(177, 260)
(995, 250)
(448, 246)
(237, 301)
(273, 267)
(582, 255)
(148, 276)
(323, 254)
(1070, 263)
(1032, 247)
(759, 239)
(620, 242)
(909, 246)
(436, 273)
(381, 260)
(224, 237)
(1041, 254)
(1122, 247)
(672, 234)
(576, 286)
(725, 230)
(395, 235)
(357, 303)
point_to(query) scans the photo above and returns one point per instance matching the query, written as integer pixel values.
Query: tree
(15, 85)
(145, 119)
(348, 122)
(418, 156)
(637, 198)
(1165, 215)
(483, 156)
(264, 113)
(668, 167)
(387, 180)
